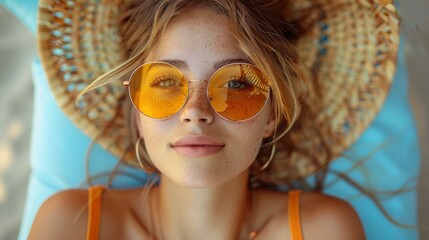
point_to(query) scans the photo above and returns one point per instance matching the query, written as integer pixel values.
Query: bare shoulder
(322, 217)
(326, 217)
(62, 216)
(65, 215)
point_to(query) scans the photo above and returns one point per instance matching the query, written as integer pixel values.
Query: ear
(270, 127)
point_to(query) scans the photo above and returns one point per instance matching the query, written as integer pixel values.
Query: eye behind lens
(159, 91)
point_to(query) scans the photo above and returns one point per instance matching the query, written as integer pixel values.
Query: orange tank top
(94, 213)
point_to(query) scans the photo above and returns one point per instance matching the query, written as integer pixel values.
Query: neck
(201, 213)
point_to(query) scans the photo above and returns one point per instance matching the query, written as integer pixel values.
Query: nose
(197, 108)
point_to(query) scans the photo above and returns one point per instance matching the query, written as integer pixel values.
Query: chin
(201, 182)
(203, 175)
(193, 180)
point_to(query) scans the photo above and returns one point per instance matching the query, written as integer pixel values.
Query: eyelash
(251, 80)
(161, 79)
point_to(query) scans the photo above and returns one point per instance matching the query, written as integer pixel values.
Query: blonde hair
(262, 34)
(266, 32)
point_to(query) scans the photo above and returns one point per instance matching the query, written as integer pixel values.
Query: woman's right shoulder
(62, 216)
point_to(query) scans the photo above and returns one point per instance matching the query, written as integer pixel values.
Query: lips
(197, 146)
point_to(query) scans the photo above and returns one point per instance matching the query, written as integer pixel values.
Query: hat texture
(350, 52)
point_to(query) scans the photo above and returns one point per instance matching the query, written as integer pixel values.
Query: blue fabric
(391, 156)
(24, 10)
(58, 151)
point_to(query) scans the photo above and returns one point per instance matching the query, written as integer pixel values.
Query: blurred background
(18, 48)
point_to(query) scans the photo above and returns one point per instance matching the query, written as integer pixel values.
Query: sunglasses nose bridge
(200, 86)
(197, 107)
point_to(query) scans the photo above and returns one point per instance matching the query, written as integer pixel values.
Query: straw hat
(351, 52)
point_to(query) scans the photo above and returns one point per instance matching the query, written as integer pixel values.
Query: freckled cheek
(255, 143)
(154, 134)
(249, 137)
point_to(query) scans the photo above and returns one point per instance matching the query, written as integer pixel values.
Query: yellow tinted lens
(238, 91)
(158, 90)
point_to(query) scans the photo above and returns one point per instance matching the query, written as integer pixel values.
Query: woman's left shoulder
(321, 217)
(328, 217)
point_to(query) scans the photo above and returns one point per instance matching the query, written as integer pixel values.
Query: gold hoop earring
(270, 159)
(147, 167)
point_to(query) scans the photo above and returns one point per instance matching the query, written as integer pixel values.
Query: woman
(219, 96)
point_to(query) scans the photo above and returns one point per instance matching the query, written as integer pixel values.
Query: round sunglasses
(236, 92)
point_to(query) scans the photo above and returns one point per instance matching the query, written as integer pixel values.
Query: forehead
(198, 35)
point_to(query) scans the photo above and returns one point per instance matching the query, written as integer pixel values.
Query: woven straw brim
(351, 53)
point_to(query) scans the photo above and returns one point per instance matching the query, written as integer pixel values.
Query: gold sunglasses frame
(127, 84)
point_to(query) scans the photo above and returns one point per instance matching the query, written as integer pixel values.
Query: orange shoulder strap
(293, 212)
(94, 212)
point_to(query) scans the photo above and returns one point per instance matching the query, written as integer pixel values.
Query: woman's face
(196, 147)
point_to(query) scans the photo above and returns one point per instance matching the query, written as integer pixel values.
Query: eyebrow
(182, 64)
